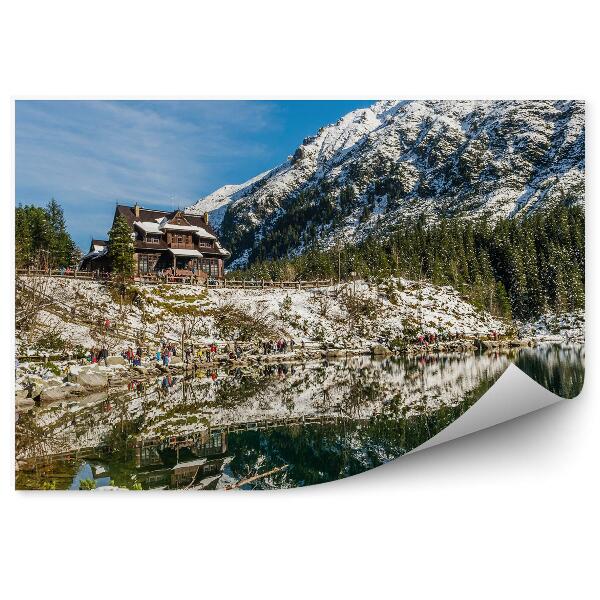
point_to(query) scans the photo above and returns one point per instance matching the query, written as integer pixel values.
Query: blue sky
(163, 154)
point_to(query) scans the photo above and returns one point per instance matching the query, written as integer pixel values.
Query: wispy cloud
(89, 154)
(130, 150)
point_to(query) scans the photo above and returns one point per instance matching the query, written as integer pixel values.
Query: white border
(510, 512)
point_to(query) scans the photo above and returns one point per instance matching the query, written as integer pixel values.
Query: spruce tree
(120, 248)
(60, 246)
(41, 237)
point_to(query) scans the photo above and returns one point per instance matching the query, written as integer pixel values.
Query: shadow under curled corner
(514, 394)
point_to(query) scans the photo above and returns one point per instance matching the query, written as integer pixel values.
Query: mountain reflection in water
(272, 427)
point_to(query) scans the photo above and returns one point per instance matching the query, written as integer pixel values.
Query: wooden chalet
(173, 242)
(96, 259)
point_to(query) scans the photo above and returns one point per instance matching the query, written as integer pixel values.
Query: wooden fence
(172, 279)
(87, 275)
(264, 283)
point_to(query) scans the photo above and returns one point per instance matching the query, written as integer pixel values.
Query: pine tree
(516, 267)
(120, 248)
(41, 237)
(60, 245)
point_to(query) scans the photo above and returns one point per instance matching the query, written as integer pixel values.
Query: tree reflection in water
(323, 420)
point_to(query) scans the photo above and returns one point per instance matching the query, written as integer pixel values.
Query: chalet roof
(97, 245)
(94, 254)
(148, 226)
(147, 215)
(194, 228)
(222, 250)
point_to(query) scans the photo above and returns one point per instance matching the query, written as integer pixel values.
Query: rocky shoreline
(36, 383)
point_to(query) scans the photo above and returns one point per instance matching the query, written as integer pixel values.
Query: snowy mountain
(397, 159)
(216, 203)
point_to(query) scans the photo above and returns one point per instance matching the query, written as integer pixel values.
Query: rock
(380, 350)
(20, 394)
(55, 381)
(35, 385)
(55, 393)
(25, 403)
(74, 371)
(75, 388)
(335, 353)
(115, 360)
(175, 360)
(141, 369)
(91, 380)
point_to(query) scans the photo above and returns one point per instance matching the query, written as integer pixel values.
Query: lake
(276, 426)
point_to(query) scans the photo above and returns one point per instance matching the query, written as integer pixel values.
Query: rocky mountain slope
(396, 159)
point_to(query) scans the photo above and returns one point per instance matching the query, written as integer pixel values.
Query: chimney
(136, 208)
(205, 217)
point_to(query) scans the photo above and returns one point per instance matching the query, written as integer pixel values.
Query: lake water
(271, 427)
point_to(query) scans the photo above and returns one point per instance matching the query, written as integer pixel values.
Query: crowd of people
(133, 358)
(281, 345)
(165, 353)
(97, 355)
(425, 339)
(235, 351)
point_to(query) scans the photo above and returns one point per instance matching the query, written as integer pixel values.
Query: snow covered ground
(344, 316)
(569, 327)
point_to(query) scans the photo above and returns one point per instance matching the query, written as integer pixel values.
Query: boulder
(75, 388)
(25, 403)
(91, 380)
(380, 350)
(20, 394)
(74, 371)
(335, 353)
(35, 385)
(175, 360)
(55, 393)
(54, 382)
(115, 360)
(141, 369)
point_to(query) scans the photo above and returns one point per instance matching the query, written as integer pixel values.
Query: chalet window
(152, 239)
(143, 264)
(205, 244)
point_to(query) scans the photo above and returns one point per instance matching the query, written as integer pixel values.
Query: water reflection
(559, 369)
(271, 427)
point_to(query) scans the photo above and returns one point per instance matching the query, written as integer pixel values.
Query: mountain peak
(395, 159)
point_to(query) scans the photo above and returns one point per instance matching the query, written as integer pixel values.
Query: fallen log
(242, 482)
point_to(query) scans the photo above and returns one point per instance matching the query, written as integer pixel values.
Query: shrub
(51, 341)
(232, 322)
(54, 369)
(87, 484)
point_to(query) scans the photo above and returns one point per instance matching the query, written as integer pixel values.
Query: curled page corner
(513, 395)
